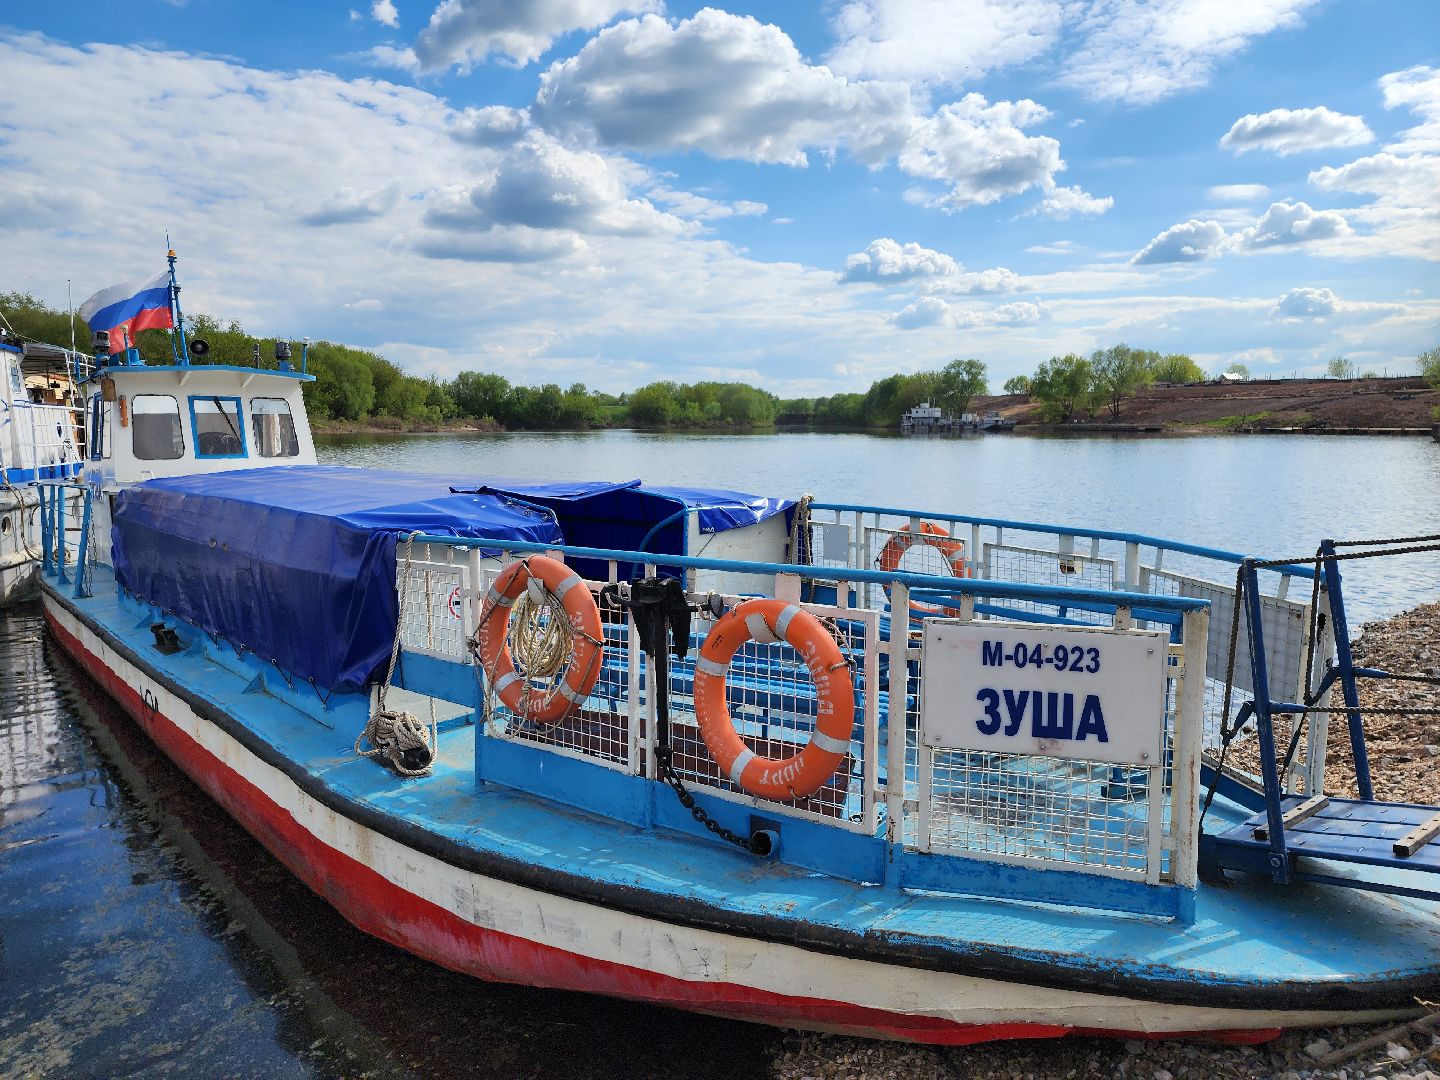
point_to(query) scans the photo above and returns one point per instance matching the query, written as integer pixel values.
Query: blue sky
(808, 197)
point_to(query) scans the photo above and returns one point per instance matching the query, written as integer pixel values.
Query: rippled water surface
(143, 933)
(1263, 495)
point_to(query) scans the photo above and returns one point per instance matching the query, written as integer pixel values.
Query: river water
(142, 932)
(1270, 496)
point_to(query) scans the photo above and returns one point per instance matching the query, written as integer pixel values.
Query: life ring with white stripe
(582, 670)
(928, 535)
(801, 774)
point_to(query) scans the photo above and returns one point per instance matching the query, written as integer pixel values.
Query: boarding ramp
(1400, 840)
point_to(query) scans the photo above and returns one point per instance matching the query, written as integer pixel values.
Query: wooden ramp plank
(1418, 837)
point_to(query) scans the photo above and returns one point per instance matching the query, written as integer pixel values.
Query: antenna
(180, 347)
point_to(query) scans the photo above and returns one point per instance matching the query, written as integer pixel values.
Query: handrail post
(1345, 663)
(1185, 749)
(60, 575)
(897, 727)
(1269, 767)
(81, 591)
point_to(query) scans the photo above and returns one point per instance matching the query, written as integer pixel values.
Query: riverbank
(1398, 406)
(1405, 755)
(1401, 406)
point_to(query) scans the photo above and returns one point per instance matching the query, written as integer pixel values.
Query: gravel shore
(1405, 756)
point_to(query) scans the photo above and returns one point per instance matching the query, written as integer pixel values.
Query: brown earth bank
(1310, 405)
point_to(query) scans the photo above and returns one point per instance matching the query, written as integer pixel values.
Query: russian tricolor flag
(127, 309)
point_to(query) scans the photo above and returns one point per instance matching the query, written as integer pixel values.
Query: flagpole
(70, 300)
(180, 347)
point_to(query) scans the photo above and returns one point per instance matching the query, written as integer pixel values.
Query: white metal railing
(41, 436)
(1045, 555)
(1112, 818)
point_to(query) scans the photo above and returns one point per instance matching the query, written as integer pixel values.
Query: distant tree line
(359, 386)
(1069, 385)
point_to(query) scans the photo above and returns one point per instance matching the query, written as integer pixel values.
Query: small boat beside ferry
(898, 773)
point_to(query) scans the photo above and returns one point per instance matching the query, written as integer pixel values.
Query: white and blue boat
(911, 775)
(39, 440)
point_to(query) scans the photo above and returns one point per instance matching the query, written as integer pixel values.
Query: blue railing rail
(1065, 530)
(951, 586)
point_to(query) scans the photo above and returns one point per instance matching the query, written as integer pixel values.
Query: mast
(178, 345)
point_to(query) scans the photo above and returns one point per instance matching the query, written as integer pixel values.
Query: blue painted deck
(1251, 937)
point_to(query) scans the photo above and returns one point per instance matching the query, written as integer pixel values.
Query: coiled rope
(400, 738)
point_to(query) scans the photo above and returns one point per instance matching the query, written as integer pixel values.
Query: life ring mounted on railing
(928, 535)
(804, 773)
(542, 577)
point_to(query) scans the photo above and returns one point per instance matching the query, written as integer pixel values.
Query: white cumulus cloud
(1190, 241)
(1061, 202)
(889, 262)
(1305, 303)
(726, 85)
(383, 12)
(1289, 223)
(1295, 131)
(468, 32)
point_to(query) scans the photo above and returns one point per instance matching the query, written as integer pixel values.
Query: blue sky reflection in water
(144, 933)
(801, 195)
(1266, 495)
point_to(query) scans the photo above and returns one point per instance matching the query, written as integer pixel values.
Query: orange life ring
(583, 669)
(930, 535)
(801, 774)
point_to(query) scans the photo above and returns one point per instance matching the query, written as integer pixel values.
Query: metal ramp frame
(1363, 832)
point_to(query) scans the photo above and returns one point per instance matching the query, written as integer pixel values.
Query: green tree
(1061, 385)
(655, 405)
(478, 394)
(958, 382)
(1177, 368)
(1429, 364)
(1339, 367)
(1118, 372)
(1019, 384)
(343, 388)
(403, 398)
(1238, 368)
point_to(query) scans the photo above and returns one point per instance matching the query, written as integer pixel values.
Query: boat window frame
(288, 412)
(179, 426)
(239, 426)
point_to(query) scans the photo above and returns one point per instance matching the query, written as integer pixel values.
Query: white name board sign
(1054, 691)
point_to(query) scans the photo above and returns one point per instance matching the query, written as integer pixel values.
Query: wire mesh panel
(1048, 808)
(605, 726)
(434, 601)
(1284, 622)
(773, 705)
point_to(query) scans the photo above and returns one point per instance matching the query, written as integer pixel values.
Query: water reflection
(143, 932)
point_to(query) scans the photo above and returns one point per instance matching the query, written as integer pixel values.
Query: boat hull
(506, 932)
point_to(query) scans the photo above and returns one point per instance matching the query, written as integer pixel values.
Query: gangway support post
(1345, 665)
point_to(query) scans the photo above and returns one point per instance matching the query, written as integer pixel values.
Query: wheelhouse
(147, 422)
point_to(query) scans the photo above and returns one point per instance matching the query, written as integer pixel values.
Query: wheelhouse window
(273, 428)
(218, 427)
(155, 421)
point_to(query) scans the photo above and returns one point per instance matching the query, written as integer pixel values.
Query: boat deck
(1301, 946)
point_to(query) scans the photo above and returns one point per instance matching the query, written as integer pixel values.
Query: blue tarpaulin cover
(632, 516)
(297, 563)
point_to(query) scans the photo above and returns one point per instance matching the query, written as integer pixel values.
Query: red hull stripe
(385, 910)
